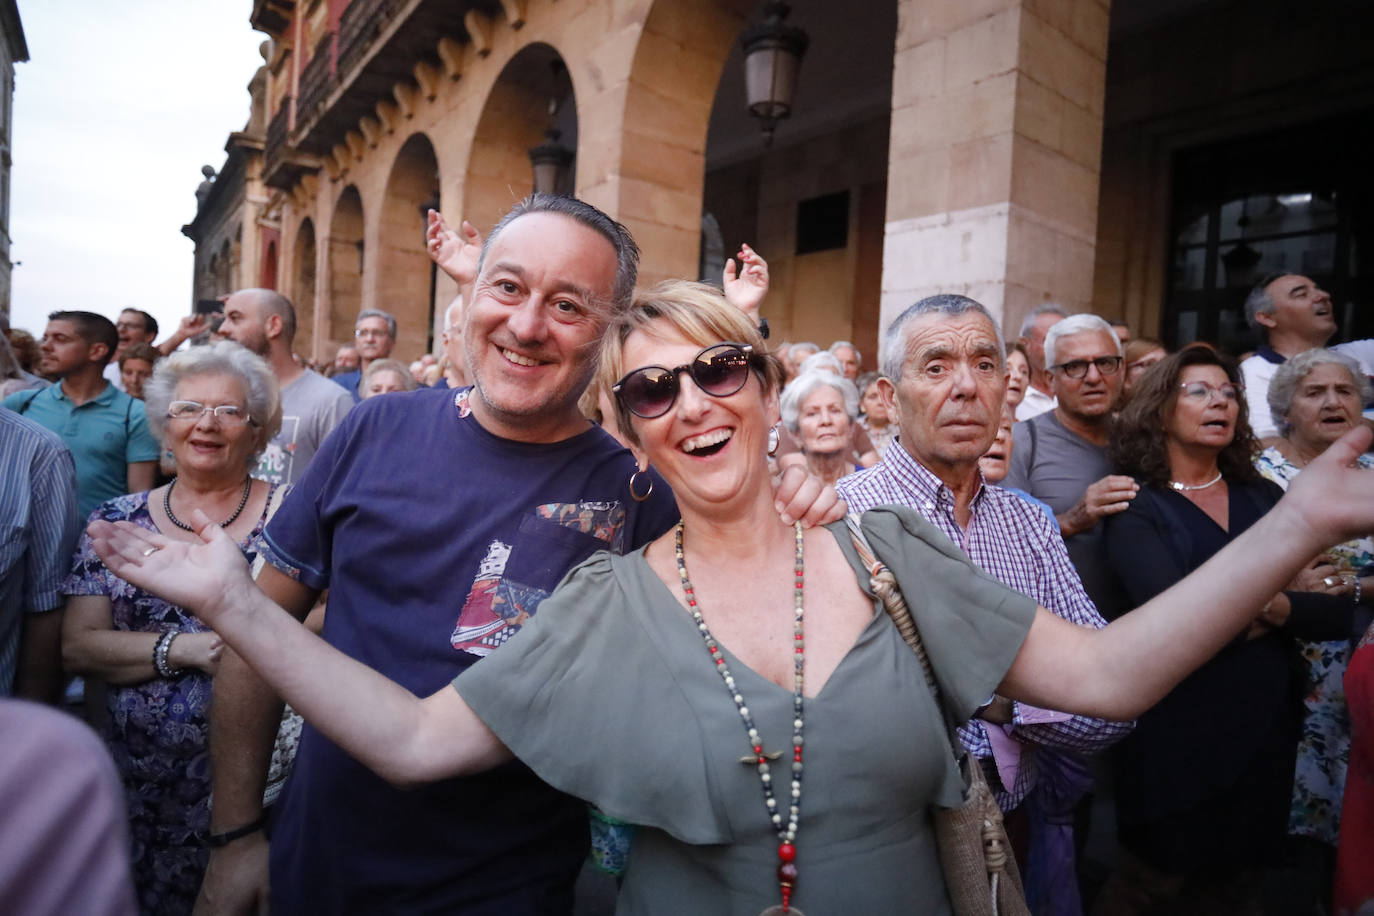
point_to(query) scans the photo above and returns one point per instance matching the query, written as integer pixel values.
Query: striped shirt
(38, 529)
(1013, 541)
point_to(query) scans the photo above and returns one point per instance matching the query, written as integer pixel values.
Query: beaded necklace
(171, 517)
(759, 759)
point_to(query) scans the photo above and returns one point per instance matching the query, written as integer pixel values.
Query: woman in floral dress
(215, 408)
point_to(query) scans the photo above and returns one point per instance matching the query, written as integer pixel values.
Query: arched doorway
(345, 265)
(302, 290)
(532, 95)
(814, 201)
(269, 266)
(405, 278)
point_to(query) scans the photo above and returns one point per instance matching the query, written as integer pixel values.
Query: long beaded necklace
(171, 517)
(759, 759)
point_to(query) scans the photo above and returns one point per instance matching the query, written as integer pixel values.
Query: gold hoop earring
(635, 496)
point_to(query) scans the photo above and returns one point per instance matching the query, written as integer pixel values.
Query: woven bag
(975, 855)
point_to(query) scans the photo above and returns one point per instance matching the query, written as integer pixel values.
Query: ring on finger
(150, 551)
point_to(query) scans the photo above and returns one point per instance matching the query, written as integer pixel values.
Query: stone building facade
(13, 50)
(1141, 159)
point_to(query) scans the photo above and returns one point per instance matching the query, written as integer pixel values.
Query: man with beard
(311, 405)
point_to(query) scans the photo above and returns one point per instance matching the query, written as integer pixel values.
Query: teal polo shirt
(105, 435)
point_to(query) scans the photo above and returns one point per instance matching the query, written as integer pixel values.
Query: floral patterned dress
(158, 731)
(1319, 780)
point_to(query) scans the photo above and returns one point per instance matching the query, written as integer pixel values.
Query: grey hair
(844, 343)
(1076, 324)
(1260, 301)
(1050, 308)
(802, 345)
(1284, 385)
(223, 357)
(626, 251)
(818, 361)
(387, 365)
(378, 313)
(949, 305)
(805, 383)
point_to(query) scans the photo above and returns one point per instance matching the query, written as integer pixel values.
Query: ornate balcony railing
(317, 81)
(362, 21)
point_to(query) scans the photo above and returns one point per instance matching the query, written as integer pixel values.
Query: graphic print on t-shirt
(512, 579)
(274, 464)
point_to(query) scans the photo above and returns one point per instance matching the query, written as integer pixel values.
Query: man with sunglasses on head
(1060, 456)
(432, 564)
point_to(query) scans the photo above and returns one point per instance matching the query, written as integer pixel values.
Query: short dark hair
(149, 322)
(93, 329)
(626, 251)
(1137, 446)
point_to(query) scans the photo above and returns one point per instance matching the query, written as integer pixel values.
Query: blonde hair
(697, 311)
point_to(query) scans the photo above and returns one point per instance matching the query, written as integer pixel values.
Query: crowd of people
(630, 507)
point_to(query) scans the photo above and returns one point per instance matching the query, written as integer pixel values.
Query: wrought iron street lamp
(772, 56)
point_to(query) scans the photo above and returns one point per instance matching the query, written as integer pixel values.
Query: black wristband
(763, 328)
(216, 840)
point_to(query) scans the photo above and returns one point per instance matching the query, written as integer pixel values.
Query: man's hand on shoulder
(799, 495)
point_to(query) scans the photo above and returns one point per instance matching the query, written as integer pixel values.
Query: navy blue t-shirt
(437, 540)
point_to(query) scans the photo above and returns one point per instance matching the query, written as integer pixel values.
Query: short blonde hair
(698, 312)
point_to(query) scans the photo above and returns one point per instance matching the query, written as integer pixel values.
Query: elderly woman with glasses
(1203, 783)
(1315, 398)
(733, 688)
(215, 408)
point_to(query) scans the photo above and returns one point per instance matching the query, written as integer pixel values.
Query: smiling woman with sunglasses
(214, 408)
(732, 688)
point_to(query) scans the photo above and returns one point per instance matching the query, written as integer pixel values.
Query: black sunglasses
(719, 370)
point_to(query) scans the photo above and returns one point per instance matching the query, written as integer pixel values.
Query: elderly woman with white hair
(215, 408)
(820, 410)
(1315, 398)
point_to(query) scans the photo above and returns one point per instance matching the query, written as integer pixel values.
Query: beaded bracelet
(160, 651)
(1359, 589)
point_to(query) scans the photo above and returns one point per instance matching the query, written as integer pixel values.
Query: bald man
(264, 321)
(455, 366)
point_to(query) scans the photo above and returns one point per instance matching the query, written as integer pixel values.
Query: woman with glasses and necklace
(1203, 783)
(215, 408)
(732, 688)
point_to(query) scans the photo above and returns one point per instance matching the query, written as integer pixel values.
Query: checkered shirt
(1014, 542)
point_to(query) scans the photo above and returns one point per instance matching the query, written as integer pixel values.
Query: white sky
(117, 109)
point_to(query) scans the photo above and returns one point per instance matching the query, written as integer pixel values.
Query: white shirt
(1035, 403)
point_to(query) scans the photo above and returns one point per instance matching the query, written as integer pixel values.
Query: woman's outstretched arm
(1122, 670)
(404, 739)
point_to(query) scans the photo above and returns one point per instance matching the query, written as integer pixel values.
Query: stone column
(995, 153)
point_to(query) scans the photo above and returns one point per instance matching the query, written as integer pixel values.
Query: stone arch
(345, 259)
(301, 291)
(405, 274)
(673, 77)
(514, 119)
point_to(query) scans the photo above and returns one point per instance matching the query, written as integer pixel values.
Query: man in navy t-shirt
(438, 520)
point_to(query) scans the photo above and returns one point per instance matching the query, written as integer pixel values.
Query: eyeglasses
(719, 370)
(227, 414)
(371, 332)
(1202, 391)
(1078, 368)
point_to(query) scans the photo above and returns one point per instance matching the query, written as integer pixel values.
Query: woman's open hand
(1332, 498)
(206, 578)
(454, 253)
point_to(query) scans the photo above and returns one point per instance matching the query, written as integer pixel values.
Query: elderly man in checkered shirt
(943, 359)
